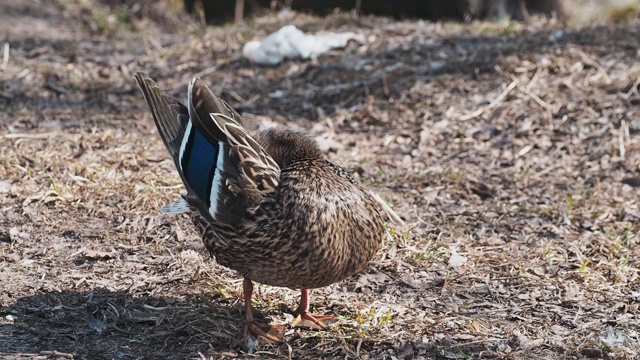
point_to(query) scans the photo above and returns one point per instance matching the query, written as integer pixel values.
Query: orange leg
(304, 318)
(268, 333)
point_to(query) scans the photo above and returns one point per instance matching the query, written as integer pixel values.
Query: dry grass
(510, 151)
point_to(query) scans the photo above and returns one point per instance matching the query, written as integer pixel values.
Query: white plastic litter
(291, 43)
(456, 260)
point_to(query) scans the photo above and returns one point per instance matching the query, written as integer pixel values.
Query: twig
(385, 84)
(5, 56)
(540, 102)
(621, 147)
(57, 354)
(204, 72)
(493, 104)
(633, 90)
(154, 42)
(238, 98)
(534, 79)
(42, 136)
(535, 98)
(199, 9)
(392, 214)
(569, 85)
(587, 60)
(545, 171)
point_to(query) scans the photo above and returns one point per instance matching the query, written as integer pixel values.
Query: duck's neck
(287, 145)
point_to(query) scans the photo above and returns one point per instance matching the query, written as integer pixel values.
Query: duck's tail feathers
(192, 154)
(170, 115)
(176, 207)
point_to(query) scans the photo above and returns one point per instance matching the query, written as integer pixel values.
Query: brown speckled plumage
(303, 221)
(318, 228)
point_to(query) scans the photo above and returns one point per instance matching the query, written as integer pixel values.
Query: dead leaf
(13, 257)
(407, 351)
(371, 280)
(410, 280)
(100, 255)
(4, 186)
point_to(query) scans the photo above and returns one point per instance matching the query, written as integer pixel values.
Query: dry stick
(535, 98)
(627, 134)
(545, 171)
(238, 98)
(540, 102)
(587, 60)
(57, 354)
(204, 72)
(534, 79)
(41, 136)
(5, 57)
(493, 104)
(623, 152)
(392, 214)
(385, 84)
(569, 85)
(154, 42)
(633, 90)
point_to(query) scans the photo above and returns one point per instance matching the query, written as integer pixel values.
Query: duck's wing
(226, 172)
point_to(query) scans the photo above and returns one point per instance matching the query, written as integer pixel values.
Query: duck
(267, 204)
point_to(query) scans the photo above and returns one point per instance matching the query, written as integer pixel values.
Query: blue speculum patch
(199, 164)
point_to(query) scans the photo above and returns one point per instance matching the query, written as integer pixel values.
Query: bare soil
(511, 152)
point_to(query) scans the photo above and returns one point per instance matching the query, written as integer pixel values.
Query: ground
(510, 152)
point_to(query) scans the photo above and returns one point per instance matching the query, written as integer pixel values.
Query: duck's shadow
(117, 325)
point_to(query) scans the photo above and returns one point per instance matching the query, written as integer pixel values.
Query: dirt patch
(511, 151)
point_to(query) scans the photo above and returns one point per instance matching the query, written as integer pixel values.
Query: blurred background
(218, 12)
(505, 134)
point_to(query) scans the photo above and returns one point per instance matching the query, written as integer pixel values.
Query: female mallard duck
(267, 205)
